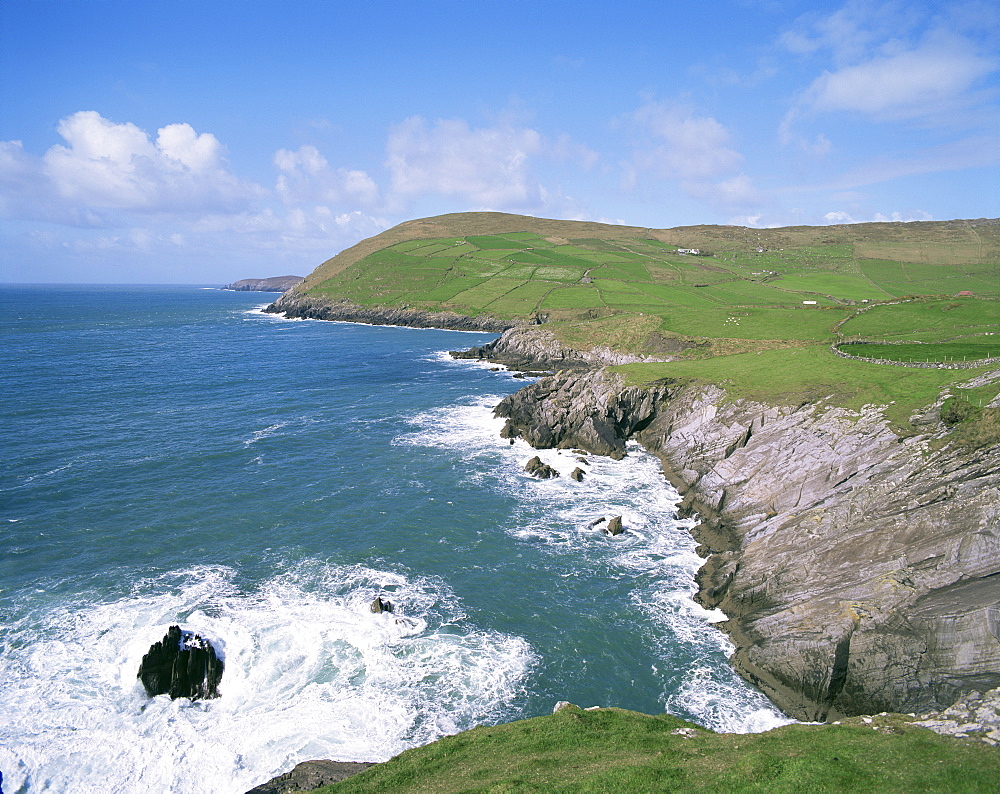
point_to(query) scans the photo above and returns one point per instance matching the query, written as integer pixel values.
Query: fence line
(981, 362)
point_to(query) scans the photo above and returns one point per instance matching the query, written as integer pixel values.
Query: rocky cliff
(273, 284)
(860, 569)
(536, 347)
(294, 304)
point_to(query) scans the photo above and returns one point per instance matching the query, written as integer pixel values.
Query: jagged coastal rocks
(860, 570)
(182, 665)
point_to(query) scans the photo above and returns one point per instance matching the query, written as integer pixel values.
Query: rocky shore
(859, 569)
(295, 305)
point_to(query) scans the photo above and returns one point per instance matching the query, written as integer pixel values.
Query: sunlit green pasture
(736, 300)
(963, 350)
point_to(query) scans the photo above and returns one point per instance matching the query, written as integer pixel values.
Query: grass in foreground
(624, 751)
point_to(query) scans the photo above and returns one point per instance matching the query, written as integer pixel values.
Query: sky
(168, 141)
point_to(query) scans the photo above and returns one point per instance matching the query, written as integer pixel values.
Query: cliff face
(534, 346)
(293, 304)
(860, 570)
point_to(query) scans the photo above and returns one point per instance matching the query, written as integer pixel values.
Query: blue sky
(165, 141)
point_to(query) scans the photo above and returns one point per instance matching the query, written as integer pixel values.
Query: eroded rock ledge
(535, 347)
(860, 570)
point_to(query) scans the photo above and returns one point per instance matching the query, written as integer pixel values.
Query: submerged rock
(182, 665)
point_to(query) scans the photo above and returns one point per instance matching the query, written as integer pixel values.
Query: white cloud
(838, 217)
(117, 166)
(908, 216)
(696, 152)
(850, 32)
(918, 82)
(313, 229)
(683, 146)
(113, 167)
(894, 62)
(307, 177)
(488, 167)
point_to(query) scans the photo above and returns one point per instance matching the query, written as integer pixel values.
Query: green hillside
(737, 293)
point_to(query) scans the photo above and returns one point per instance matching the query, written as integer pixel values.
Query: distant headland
(272, 284)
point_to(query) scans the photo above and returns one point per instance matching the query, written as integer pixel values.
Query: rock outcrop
(273, 284)
(310, 775)
(860, 569)
(534, 347)
(542, 471)
(587, 410)
(378, 606)
(614, 526)
(292, 304)
(182, 665)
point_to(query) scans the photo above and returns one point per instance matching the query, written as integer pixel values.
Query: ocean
(174, 455)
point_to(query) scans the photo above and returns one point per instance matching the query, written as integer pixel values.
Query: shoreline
(295, 306)
(786, 495)
(722, 538)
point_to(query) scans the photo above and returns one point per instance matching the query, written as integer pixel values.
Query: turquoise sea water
(173, 455)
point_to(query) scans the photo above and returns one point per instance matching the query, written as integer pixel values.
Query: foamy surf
(310, 672)
(656, 551)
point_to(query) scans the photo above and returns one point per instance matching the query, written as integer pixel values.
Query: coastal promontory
(272, 284)
(826, 400)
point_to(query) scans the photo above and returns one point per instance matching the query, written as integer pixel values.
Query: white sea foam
(310, 673)
(656, 549)
(265, 433)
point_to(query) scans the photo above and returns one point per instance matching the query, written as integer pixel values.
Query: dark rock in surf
(379, 606)
(182, 665)
(614, 526)
(536, 468)
(577, 474)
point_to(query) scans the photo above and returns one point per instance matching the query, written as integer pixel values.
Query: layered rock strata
(531, 347)
(859, 569)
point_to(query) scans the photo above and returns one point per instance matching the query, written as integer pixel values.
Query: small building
(965, 293)
(694, 251)
(809, 303)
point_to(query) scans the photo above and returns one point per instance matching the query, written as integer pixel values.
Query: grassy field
(778, 298)
(624, 751)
